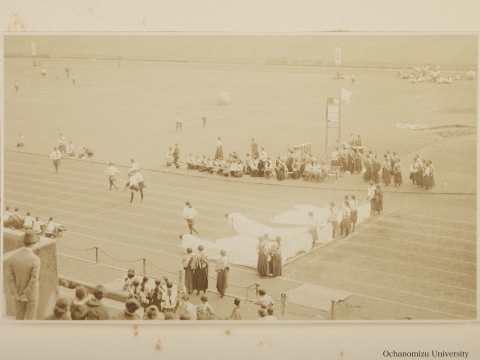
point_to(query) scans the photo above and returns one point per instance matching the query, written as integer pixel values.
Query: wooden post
(144, 266)
(333, 309)
(257, 285)
(283, 303)
(96, 255)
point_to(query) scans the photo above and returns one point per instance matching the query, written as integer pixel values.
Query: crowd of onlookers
(163, 301)
(18, 221)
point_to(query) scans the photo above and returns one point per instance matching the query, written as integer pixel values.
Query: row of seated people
(15, 220)
(283, 168)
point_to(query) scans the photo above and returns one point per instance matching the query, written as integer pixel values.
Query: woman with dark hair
(236, 314)
(386, 171)
(200, 275)
(397, 172)
(276, 253)
(378, 199)
(413, 171)
(61, 310)
(187, 266)
(376, 166)
(367, 176)
(222, 269)
(262, 250)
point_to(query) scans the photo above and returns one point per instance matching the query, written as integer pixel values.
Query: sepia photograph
(311, 177)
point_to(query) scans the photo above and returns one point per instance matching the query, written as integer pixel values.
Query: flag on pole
(346, 95)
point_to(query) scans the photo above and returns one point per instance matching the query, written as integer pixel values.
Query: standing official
(178, 122)
(176, 156)
(22, 273)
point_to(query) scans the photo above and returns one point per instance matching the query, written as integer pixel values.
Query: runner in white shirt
(204, 117)
(189, 214)
(61, 144)
(133, 184)
(56, 156)
(141, 184)
(178, 122)
(112, 171)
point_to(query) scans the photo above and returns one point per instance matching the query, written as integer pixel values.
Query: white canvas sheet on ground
(242, 248)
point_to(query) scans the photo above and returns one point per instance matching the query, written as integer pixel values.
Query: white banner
(338, 56)
(34, 51)
(333, 112)
(346, 95)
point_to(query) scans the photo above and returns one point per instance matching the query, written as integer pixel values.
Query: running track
(415, 258)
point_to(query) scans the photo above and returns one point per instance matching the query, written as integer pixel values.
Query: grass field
(417, 259)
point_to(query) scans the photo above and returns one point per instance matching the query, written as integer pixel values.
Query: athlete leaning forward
(135, 183)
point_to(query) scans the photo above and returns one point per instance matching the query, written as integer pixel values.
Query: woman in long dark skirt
(397, 173)
(386, 172)
(358, 161)
(376, 168)
(281, 171)
(200, 276)
(187, 266)
(420, 173)
(350, 161)
(263, 251)
(222, 269)
(413, 171)
(378, 199)
(276, 253)
(261, 169)
(367, 176)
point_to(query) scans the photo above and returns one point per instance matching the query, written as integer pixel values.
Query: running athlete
(61, 144)
(141, 184)
(56, 156)
(133, 184)
(111, 172)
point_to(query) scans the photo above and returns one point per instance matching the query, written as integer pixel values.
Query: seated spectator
(202, 166)
(205, 308)
(128, 283)
(137, 293)
(236, 314)
(270, 316)
(28, 222)
(268, 168)
(96, 304)
(212, 317)
(130, 312)
(71, 149)
(78, 310)
(248, 164)
(186, 309)
(156, 295)
(61, 310)
(262, 313)
(93, 314)
(264, 299)
(209, 165)
(239, 171)
(17, 220)
(50, 228)
(197, 163)
(38, 226)
(225, 168)
(169, 158)
(190, 162)
(169, 316)
(308, 172)
(295, 170)
(7, 217)
(147, 292)
(169, 299)
(152, 313)
(88, 152)
(217, 166)
(233, 169)
(254, 172)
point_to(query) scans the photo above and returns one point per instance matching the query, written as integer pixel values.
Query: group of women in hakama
(196, 271)
(391, 166)
(422, 173)
(269, 257)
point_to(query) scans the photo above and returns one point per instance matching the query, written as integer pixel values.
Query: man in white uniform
(189, 214)
(112, 171)
(56, 156)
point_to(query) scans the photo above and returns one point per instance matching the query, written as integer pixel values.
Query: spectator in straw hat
(22, 273)
(78, 310)
(96, 304)
(130, 312)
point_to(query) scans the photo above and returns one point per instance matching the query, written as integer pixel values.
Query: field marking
(408, 252)
(399, 276)
(412, 232)
(438, 218)
(440, 227)
(423, 244)
(402, 101)
(339, 242)
(409, 264)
